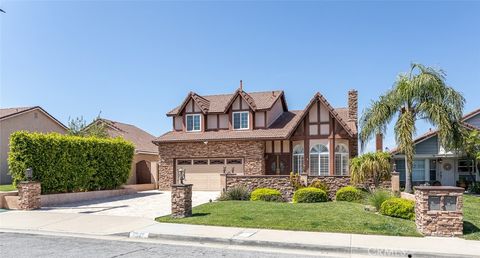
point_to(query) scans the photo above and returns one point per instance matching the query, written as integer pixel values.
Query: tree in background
(471, 146)
(373, 165)
(78, 126)
(420, 94)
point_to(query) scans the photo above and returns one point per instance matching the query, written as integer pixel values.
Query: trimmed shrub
(398, 207)
(266, 194)
(236, 193)
(319, 184)
(64, 163)
(309, 195)
(377, 197)
(474, 188)
(349, 194)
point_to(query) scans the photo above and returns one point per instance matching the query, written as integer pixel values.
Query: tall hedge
(64, 163)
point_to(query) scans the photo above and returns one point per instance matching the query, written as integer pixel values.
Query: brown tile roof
(141, 139)
(280, 129)
(6, 113)
(343, 114)
(219, 103)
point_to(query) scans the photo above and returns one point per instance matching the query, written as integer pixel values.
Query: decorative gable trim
(203, 103)
(331, 110)
(245, 96)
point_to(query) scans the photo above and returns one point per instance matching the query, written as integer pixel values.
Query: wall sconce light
(29, 174)
(181, 175)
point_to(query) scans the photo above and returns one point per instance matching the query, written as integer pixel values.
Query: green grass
(471, 219)
(343, 217)
(7, 188)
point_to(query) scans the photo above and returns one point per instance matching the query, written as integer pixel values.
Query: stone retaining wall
(282, 183)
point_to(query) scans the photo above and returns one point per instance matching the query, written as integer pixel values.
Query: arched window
(341, 160)
(319, 160)
(298, 159)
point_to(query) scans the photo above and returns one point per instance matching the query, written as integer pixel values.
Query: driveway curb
(319, 248)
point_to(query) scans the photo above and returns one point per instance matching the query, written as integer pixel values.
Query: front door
(447, 172)
(278, 164)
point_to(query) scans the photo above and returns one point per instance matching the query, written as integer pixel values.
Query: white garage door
(204, 174)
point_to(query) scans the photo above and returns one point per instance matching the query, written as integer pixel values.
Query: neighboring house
(256, 134)
(432, 164)
(145, 160)
(33, 119)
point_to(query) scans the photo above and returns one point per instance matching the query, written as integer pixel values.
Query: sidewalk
(71, 222)
(321, 243)
(375, 245)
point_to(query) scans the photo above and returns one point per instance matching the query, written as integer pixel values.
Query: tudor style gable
(240, 111)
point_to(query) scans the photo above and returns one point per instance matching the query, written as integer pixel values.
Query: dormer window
(240, 120)
(193, 122)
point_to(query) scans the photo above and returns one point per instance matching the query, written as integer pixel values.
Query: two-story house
(256, 134)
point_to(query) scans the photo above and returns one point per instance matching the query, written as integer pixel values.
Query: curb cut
(319, 248)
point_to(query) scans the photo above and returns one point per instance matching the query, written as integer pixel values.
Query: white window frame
(248, 120)
(321, 155)
(344, 159)
(299, 157)
(193, 122)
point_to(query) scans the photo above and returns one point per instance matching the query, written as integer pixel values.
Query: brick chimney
(353, 105)
(379, 142)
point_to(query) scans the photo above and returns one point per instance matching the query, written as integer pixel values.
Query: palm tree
(373, 165)
(420, 94)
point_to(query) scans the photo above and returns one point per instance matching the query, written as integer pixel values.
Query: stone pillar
(181, 200)
(395, 181)
(29, 195)
(438, 210)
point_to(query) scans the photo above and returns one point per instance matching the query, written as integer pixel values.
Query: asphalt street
(30, 245)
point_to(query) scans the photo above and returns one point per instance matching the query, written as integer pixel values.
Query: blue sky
(136, 60)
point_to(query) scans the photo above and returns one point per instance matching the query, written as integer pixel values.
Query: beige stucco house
(145, 160)
(33, 119)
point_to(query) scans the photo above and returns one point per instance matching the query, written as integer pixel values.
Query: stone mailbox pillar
(29, 195)
(438, 210)
(181, 200)
(395, 182)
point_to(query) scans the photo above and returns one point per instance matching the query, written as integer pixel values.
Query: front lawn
(7, 188)
(343, 217)
(471, 213)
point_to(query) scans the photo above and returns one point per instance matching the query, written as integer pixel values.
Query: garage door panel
(206, 177)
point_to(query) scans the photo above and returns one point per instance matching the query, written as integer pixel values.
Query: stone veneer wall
(334, 183)
(282, 183)
(29, 195)
(438, 222)
(251, 151)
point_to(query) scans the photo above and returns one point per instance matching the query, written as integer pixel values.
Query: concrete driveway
(147, 204)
